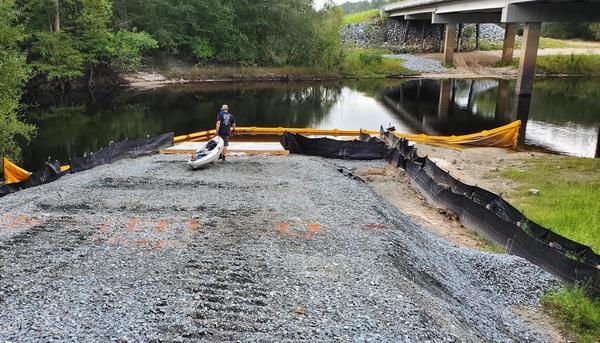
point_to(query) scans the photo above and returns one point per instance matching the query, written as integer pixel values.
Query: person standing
(225, 127)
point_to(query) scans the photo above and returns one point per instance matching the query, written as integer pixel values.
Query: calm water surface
(564, 116)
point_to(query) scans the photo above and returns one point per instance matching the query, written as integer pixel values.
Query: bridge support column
(522, 108)
(531, 42)
(445, 96)
(509, 44)
(503, 99)
(527, 62)
(449, 44)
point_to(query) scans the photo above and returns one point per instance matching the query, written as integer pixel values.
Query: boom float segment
(504, 137)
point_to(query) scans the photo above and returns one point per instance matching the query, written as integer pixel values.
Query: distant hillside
(360, 17)
(361, 6)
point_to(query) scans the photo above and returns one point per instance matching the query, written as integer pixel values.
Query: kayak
(209, 153)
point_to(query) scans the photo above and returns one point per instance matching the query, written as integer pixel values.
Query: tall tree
(56, 15)
(13, 74)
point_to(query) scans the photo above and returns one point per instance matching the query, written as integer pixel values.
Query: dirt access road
(256, 249)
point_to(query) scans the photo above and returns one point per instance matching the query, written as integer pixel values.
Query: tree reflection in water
(81, 128)
(563, 115)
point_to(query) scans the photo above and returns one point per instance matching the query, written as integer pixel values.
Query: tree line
(71, 38)
(54, 42)
(582, 30)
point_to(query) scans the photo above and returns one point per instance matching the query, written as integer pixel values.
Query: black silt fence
(115, 152)
(509, 213)
(48, 173)
(126, 149)
(331, 148)
(496, 219)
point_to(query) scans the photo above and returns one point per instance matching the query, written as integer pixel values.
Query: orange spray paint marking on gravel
(375, 226)
(103, 228)
(6, 219)
(313, 228)
(162, 226)
(132, 224)
(22, 221)
(194, 225)
(283, 228)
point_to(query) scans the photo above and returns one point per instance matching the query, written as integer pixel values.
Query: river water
(564, 115)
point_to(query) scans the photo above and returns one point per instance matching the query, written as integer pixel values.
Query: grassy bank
(569, 64)
(361, 17)
(545, 43)
(356, 63)
(569, 204)
(588, 65)
(200, 73)
(569, 198)
(580, 314)
(370, 63)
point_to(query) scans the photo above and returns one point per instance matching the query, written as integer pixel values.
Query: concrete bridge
(531, 13)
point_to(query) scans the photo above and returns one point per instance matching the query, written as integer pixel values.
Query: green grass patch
(361, 17)
(488, 46)
(577, 310)
(569, 198)
(548, 43)
(567, 64)
(499, 64)
(545, 43)
(568, 204)
(370, 63)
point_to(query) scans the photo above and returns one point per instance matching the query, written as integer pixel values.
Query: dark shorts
(226, 140)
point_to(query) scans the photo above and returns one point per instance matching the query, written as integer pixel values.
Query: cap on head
(224, 107)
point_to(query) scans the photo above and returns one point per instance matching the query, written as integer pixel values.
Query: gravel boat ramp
(268, 249)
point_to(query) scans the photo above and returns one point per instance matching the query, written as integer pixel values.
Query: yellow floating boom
(14, 173)
(275, 131)
(505, 136)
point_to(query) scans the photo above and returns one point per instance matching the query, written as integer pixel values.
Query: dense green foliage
(580, 312)
(13, 73)
(361, 6)
(58, 42)
(85, 36)
(570, 30)
(258, 32)
(79, 38)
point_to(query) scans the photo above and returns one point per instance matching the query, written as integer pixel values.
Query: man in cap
(225, 126)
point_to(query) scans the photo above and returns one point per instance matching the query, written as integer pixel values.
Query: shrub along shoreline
(566, 65)
(356, 63)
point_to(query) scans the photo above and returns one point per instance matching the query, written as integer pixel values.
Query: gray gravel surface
(255, 249)
(419, 64)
